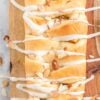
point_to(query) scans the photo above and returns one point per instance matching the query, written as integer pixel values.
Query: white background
(4, 70)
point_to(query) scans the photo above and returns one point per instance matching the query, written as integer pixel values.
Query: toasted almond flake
(4, 92)
(39, 74)
(1, 61)
(91, 56)
(5, 83)
(55, 65)
(63, 88)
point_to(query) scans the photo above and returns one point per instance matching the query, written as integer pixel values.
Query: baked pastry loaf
(66, 27)
(55, 57)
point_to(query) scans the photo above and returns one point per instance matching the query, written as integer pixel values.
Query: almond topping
(55, 65)
(4, 92)
(6, 38)
(5, 83)
(1, 61)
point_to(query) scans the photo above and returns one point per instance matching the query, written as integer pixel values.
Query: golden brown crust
(69, 29)
(70, 71)
(59, 3)
(41, 45)
(33, 65)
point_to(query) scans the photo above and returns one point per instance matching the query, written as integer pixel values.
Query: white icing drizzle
(36, 7)
(66, 78)
(61, 38)
(40, 80)
(79, 83)
(69, 53)
(33, 93)
(44, 52)
(22, 8)
(30, 39)
(80, 62)
(41, 53)
(63, 91)
(75, 85)
(40, 29)
(42, 88)
(74, 93)
(47, 91)
(84, 98)
(44, 95)
(76, 36)
(57, 12)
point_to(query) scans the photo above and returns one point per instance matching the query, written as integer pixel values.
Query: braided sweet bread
(55, 49)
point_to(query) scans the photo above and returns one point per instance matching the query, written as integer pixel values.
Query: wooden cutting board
(17, 59)
(93, 48)
(97, 22)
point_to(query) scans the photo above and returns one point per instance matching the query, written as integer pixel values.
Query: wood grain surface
(17, 59)
(93, 87)
(97, 22)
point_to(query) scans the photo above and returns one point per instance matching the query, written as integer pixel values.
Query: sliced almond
(5, 83)
(4, 92)
(39, 74)
(55, 64)
(1, 61)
